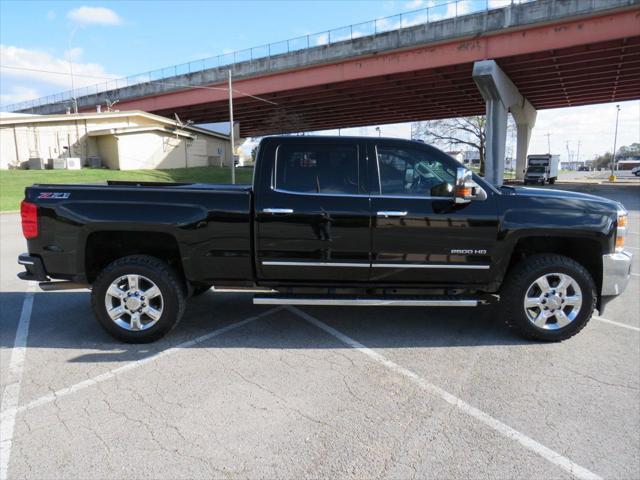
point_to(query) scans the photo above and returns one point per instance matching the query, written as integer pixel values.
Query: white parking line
(617, 324)
(11, 391)
(527, 442)
(52, 397)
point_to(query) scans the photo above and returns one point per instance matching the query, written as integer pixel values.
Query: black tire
(518, 282)
(171, 298)
(552, 181)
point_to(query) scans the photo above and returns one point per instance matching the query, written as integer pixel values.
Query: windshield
(536, 169)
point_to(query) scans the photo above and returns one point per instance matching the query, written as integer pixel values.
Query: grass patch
(13, 182)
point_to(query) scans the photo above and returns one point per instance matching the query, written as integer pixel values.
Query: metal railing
(434, 13)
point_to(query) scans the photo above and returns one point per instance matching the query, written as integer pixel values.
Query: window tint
(317, 168)
(405, 171)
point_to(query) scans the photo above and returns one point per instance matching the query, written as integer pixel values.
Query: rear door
(312, 211)
(419, 235)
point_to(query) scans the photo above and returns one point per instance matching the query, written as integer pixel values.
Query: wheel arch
(104, 247)
(586, 251)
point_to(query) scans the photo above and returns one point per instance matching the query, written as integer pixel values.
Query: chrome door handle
(277, 210)
(391, 213)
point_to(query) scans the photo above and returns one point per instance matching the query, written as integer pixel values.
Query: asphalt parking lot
(241, 391)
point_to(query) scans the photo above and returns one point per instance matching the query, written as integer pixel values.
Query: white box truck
(542, 169)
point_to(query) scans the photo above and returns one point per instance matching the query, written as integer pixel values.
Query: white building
(128, 140)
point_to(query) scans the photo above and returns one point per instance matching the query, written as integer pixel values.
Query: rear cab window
(321, 168)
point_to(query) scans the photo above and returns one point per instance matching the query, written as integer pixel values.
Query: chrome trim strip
(25, 262)
(320, 194)
(426, 265)
(363, 302)
(392, 213)
(374, 265)
(277, 210)
(315, 264)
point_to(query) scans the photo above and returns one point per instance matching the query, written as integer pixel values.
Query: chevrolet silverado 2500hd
(331, 221)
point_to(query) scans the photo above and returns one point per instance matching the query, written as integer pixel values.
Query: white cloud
(593, 126)
(33, 68)
(18, 94)
(51, 15)
(415, 4)
(94, 16)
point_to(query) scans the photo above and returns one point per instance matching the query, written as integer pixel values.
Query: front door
(419, 235)
(313, 220)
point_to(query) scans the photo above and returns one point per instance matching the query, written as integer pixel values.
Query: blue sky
(150, 35)
(116, 39)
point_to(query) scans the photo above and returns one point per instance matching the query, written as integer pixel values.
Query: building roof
(10, 118)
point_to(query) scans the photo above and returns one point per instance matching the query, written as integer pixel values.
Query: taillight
(29, 214)
(621, 232)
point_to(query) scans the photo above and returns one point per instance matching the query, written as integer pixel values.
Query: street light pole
(74, 100)
(231, 133)
(612, 178)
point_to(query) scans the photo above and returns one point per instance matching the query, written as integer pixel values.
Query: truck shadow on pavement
(64, 320)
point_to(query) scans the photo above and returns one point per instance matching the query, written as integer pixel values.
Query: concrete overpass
(542, 54)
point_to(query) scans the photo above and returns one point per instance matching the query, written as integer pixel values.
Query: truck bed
(210, 225)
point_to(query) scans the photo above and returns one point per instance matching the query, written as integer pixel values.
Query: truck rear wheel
(138, 299)
(548, 297)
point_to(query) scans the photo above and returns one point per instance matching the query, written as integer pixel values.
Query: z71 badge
(54, 195)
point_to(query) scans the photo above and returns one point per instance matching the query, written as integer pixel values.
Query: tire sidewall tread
(520, 278)
(173, 293)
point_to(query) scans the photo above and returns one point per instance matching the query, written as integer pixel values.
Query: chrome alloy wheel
(134, 302)
(553, 301)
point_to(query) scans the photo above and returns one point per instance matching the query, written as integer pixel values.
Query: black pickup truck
(331, 221)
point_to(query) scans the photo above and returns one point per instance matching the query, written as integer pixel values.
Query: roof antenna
(181, 124)
(110, 104)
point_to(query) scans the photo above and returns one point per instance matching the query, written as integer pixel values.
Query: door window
(411, 172)
(308, 168)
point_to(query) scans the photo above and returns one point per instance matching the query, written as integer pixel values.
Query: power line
(159, 82)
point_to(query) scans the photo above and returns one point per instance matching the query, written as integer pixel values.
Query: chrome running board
(366, 302)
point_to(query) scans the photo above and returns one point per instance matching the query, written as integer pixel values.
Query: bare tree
(454, 132)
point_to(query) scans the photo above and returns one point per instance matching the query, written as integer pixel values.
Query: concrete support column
(525, 116)
(522, 146)
(496, 138)
(502, 96)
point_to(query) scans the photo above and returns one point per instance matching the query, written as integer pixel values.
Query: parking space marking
(529, 443)
(52, 397)
(11, 391)
(617, 324)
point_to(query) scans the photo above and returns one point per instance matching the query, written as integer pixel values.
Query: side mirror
(466, 189)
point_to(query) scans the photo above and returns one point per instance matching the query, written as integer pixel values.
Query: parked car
(636, 171)
(331, 221)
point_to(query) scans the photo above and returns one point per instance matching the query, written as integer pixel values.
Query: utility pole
(612, 178)
(232, 135)
(578, 154)
(548, 135)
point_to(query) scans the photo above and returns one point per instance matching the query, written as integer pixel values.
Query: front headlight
(621, 230)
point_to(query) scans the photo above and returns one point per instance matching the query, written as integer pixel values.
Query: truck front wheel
(548, 297)
(138, 299)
